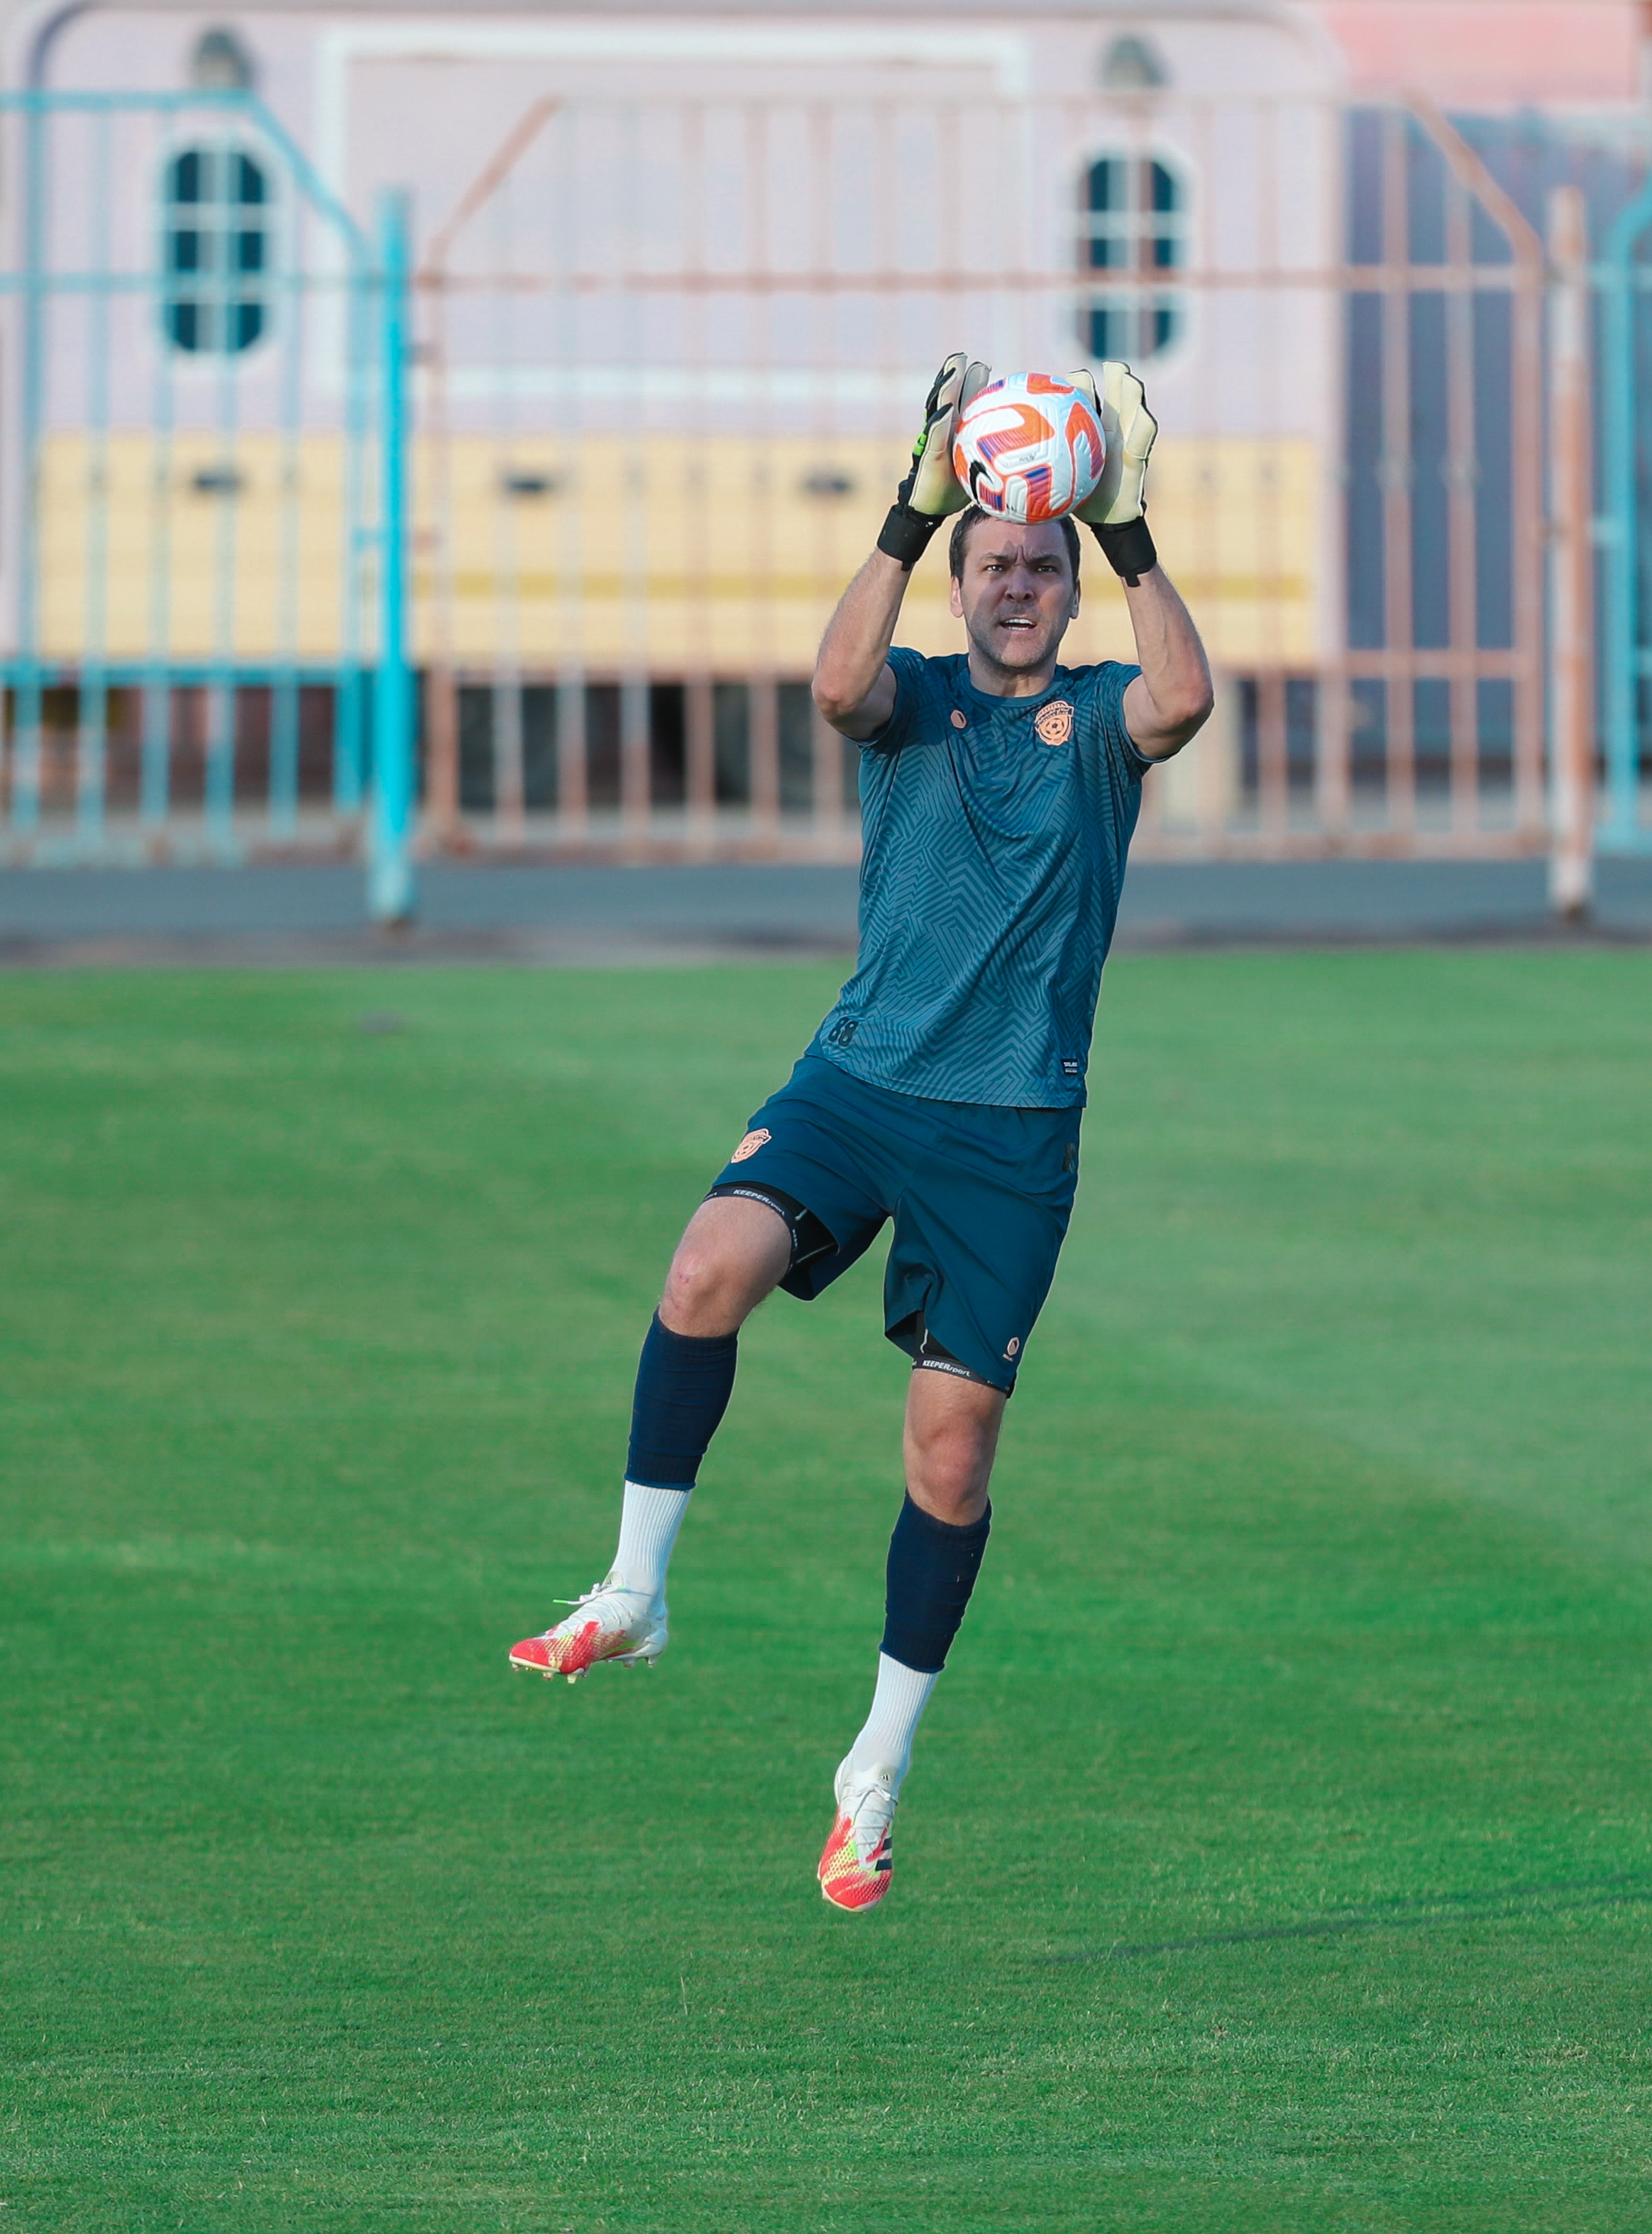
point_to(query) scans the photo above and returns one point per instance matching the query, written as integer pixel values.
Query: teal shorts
(980, 1197)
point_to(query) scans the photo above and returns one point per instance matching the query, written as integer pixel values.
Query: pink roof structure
(1494, 53)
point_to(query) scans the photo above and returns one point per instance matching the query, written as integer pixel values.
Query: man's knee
(699, 1280)
(952, 1440)
(955, 1461)
(731, 1255)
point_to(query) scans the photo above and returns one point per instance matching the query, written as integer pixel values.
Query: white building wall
(749, 241)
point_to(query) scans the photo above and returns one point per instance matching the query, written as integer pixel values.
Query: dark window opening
(796, 719)
(731, 744)
(215, 252)
(667, 753)
(1133, 220)
(602, 744)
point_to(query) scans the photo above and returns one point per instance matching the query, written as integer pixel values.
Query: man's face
(1015, 595)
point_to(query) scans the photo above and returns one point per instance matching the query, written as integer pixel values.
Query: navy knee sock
(932, 1567)
(684, 1383)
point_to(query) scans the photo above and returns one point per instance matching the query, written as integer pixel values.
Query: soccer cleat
(608, 1623)
(858, 1863)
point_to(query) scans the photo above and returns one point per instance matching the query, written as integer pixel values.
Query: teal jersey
(995, 831)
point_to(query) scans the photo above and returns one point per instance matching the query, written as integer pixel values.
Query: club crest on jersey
(1053, 722)
(750, 1145)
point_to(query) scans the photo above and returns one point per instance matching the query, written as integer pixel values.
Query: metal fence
(204, 546)
(559, 552)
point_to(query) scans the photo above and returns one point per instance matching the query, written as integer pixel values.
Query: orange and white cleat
(608, 1623)
(858, 1860)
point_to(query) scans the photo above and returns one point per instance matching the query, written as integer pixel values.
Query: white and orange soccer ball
(1029, 448)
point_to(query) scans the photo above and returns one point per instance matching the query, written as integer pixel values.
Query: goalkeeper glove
(932, 489)
(1115, 513)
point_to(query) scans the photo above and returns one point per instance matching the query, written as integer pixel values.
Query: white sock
(896, 1706)
(648, 1529)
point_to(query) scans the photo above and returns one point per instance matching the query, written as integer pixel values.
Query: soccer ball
(1029, 448)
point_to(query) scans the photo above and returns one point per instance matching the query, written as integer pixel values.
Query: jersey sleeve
(908, 668)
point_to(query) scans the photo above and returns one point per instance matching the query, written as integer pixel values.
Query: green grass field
(1278, 1852)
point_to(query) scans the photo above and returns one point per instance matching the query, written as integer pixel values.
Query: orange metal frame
(1282, 824)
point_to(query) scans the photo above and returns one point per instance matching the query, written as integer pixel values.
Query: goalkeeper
(944, 1090)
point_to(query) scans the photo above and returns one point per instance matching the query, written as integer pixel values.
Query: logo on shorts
(751, 1143)
(1014, 1349)
(1053, 722)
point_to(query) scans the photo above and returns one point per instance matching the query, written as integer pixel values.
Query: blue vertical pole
(350, 695)
(389, 884)
(26, 735)
(1620, 462)
(284, 690)
(92, 754)
(156, 782)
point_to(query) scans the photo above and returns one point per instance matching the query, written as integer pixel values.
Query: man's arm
(854, 683)
(1171, 698)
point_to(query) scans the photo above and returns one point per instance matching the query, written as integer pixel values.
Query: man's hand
(1114, 512)
(931, 490)
(1129, 430)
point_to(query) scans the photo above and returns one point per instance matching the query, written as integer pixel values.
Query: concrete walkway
(583, 914)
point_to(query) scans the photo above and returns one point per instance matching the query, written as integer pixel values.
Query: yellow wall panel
(725, 555)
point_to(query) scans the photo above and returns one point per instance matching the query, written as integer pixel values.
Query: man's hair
(967, 518)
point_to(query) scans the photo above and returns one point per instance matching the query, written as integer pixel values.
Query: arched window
(1132, 218)
(217, 250)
